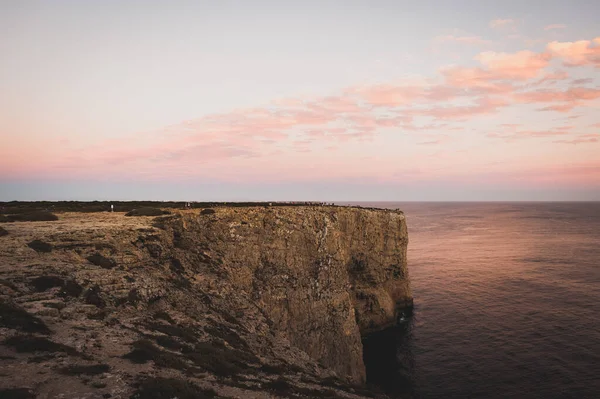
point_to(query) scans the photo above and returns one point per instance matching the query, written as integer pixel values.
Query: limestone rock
(241, 302)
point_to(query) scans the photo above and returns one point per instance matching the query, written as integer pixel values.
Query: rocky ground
(253, 302)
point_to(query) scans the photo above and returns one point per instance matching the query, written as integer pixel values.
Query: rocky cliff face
(234, 302)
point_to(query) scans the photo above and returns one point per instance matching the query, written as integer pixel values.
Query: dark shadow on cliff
(389, 360)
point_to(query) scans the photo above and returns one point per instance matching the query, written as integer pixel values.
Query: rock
(281, 295)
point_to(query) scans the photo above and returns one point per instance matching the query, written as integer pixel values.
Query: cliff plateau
(247, 302)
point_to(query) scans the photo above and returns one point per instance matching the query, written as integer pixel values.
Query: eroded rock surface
(251, 302)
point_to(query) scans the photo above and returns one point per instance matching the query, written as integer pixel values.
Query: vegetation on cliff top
(147, 211)
(31, 216)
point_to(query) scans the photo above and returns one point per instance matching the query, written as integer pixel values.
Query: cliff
(224, 302)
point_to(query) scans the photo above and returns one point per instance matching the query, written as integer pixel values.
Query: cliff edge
(222, 302)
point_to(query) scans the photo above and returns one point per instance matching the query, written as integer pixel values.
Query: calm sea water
(507, 302)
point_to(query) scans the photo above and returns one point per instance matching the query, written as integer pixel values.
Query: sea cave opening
(389, 360)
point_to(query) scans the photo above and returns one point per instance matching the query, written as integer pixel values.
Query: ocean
(507, 303)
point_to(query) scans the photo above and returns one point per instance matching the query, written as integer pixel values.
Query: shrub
(102, 261)
(35, 216)
(79, 369)
(17, 393)
(164, 316)
(176, 266)
(3, 232)
(29, 344)
(40, 246)
(187, 334)
(221, 361)
(281, 387)
(144, 351)
(44, 283)
(92, 296)
(228, 335)
(147, 211)
(207, 211)
(168, 388)
(71, 289)
(170, 343)
(16, 318)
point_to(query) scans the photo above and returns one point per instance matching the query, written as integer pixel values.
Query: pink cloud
(579, 53)
(335, 104)
(435, 139)
(511, 133)
(565, 107)
(386, 95)
(582, 81)
(498, 75)
(521, 65)
(565, 100)
(549, 77)
(481, 106)
(476, 80)
(585, 138)
(294, 127)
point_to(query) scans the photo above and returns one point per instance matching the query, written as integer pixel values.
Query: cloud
(435, 139)
(336, 104)
(388, 95)
(565, 100)
(579, 53)
(501, 23)
(566, 107)
(512, 134)
(249, 140)
(498, 74)
(555, 26)
(585, 138)
(582, 81)
(549, 77)
(521, 65)
(481, 106)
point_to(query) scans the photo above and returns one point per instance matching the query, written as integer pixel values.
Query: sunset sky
(300, 100)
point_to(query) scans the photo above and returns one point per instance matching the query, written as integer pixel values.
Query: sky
(300, 100)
